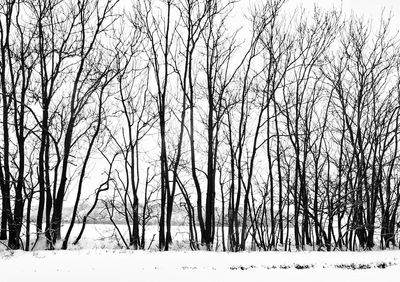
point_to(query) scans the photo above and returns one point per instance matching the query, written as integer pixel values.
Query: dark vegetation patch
(303, 266)
(357, 266)
(241, 267)
(353, 266)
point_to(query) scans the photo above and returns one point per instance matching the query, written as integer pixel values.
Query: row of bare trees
(281, 130)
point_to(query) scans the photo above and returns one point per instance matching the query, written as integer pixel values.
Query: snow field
(126, 265)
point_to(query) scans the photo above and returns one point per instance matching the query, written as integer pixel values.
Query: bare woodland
(276, 133)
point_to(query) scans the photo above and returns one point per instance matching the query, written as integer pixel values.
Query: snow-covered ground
(99, 257)
(125, 265)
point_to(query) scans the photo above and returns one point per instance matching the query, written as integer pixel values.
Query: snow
(127, 265)
(98, 257)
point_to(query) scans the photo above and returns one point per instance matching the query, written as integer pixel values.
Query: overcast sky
(360, 6)
(368, 8)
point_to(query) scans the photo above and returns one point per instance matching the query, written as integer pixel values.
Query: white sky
(368, 8)
(359, 6)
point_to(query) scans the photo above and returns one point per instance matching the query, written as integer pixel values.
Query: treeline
(280, 130)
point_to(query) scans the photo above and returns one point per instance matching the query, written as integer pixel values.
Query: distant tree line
(282, 130)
